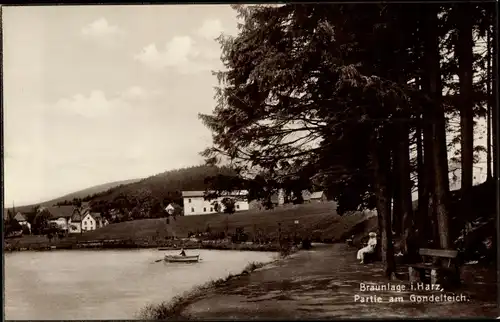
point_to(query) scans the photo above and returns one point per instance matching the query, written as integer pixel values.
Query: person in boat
(183, 253)
(370, 248)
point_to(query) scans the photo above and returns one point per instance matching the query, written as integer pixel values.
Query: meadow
(317, 221)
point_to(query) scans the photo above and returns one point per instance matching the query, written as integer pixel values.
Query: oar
(156, 261)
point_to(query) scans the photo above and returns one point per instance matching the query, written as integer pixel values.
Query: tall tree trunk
(427, 210)
(403, 158)
(494, 110)
(488, 105)
(381, 164)
(465, 59)
(422, 189)
(426, 206)
(397, 208)
(422, 205)
(439, 155)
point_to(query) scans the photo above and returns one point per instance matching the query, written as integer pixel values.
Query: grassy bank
(317, 221)
(173, 308)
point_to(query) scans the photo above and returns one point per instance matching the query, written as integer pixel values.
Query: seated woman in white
(370, 248)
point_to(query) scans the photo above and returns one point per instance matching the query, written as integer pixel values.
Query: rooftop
(317, 195)
(186, 194)
(60, 211)
(20, 217)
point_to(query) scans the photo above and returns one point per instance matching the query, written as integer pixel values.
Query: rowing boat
(182, 259)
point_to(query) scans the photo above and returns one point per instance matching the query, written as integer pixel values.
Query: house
(21, 219)
(75, 223)
(318, 196)
(195, 203)
(278, 199)
(91, 220)
(60, 215)
(76, 220)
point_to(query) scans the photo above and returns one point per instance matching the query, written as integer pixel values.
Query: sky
(95, 94)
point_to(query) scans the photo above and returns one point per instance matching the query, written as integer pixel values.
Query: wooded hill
(148, 197)
(81, 194)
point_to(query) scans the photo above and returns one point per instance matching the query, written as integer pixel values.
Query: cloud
(176, 52)
(185, 54)
(210, 29)
(94, 105)
(97, 104)
(100, 28)
(134, 93)
(181, 53)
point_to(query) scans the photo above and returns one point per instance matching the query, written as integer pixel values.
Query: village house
(278, 199)
(59, 215)
(195, 203)
(92, 221)
(21, 219)
(86, 220)
(70, 218)
(318, 196)
(75, 223)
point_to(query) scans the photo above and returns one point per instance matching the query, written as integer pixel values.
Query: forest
(148, 198)
(370, 102)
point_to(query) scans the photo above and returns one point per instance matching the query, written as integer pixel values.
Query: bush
(306, 244)
(26, 230)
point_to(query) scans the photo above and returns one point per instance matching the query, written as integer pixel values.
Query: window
(192, 209)
(211, 209)
(237, 206)
(189, 200)
(204, 209)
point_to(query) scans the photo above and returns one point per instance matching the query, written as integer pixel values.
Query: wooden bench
(439, 266)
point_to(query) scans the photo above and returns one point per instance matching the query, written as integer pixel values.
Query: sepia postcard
(250, 161)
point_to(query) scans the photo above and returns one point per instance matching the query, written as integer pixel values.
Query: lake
(107, 284)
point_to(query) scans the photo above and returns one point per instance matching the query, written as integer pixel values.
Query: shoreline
(130, 244)
(172, 309)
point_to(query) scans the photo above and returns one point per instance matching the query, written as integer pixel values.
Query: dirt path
(322, 283)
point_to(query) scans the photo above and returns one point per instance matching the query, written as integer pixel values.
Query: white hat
(372, 234)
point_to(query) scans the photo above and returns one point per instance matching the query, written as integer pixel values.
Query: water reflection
(109, 284)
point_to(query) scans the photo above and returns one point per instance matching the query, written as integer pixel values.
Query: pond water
(107, 284)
